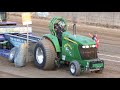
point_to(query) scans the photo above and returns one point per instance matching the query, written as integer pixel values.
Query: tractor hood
(82, 40)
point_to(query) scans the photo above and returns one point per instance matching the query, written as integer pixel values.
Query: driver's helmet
(61, 24)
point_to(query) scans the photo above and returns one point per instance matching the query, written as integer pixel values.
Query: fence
(107, 19)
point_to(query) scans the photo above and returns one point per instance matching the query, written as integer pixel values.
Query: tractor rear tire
(75, 68)
(44, 55)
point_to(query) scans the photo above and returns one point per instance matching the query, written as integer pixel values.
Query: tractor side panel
(70, 50)
(54, 41)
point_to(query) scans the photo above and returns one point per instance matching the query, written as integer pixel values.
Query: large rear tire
(45, 55)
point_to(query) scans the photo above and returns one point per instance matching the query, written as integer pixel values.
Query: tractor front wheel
(75, 68)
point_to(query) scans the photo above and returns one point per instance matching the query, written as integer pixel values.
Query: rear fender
(54, 40)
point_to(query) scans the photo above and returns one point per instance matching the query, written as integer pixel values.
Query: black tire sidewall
(40, 66)
(77, 68)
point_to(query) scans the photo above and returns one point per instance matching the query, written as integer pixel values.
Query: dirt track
(109, 51)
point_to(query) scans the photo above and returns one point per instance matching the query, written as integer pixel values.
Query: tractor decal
(68, 49)
(67, 45)
(63, 57)
(16, 41)
(70, 40)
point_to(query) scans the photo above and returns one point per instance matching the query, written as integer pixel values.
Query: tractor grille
(88, 53)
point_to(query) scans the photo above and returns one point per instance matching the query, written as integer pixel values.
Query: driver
(59, 29)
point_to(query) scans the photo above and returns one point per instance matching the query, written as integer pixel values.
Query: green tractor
(77, 51)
